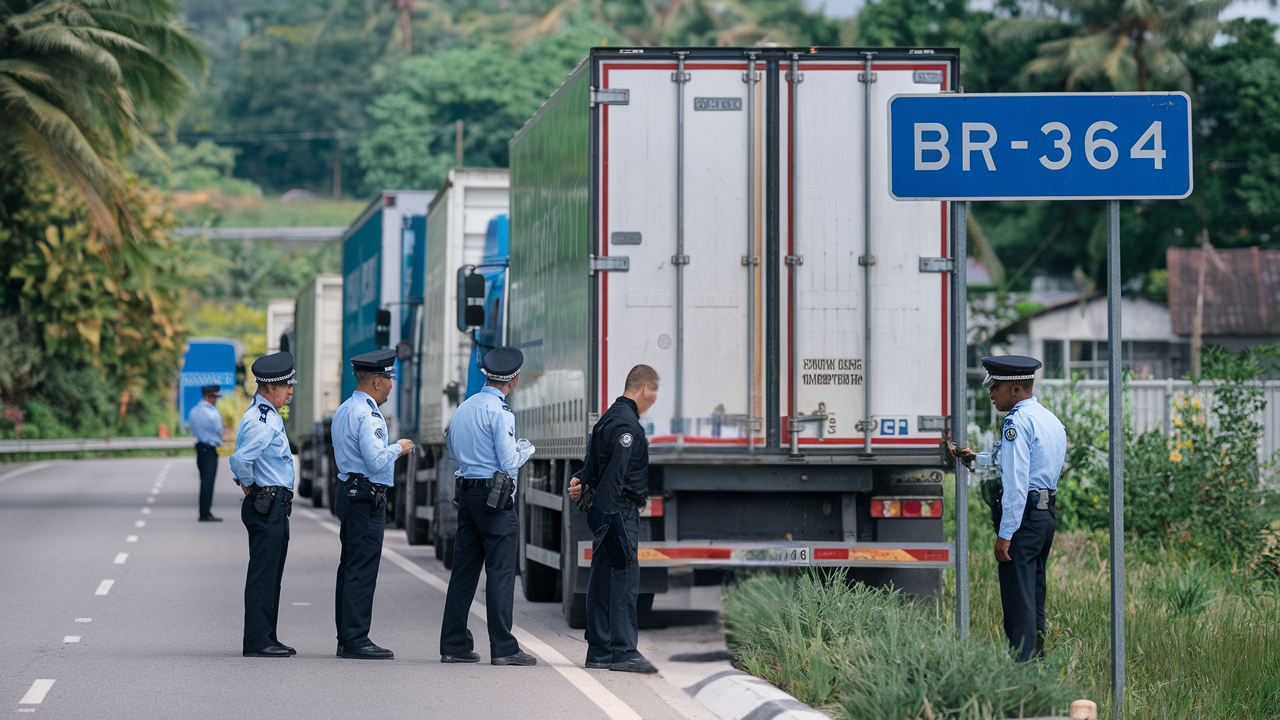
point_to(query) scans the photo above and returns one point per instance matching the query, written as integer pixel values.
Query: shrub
(866, 653)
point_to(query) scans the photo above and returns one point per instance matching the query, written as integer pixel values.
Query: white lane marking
(121, 557)
(84, 620)
(146, 511)
(25, 470)
(131, 538)
(151, 501)
(104, 587)
(36, 694)
(140, 523)
(597, 693)
(156, 491)
(71, 639)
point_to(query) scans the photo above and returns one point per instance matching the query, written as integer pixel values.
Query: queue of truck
(713, 213)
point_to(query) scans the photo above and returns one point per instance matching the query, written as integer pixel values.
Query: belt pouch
(262, 501)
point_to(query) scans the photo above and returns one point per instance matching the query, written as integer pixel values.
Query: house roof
(1241, 290)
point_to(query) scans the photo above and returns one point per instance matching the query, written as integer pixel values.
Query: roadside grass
(1203, 642)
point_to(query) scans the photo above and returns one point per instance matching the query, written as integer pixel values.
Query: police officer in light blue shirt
(1033, 446)
(263, 467)
(482, 441)
(206, 425)
(366, 465)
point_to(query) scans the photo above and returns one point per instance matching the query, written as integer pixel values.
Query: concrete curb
(735, 695)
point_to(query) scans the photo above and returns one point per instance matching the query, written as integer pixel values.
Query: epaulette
(507, 408)
(264, 409)
(375, 409)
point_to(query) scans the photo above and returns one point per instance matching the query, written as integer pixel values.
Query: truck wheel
(574, 606)
(415, 529)
(317, 496)
(539, 582)
(437, 543)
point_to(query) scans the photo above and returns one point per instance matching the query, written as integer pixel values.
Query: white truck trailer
(457, 223)
(317, 356)
(280, 324)
(722, 214)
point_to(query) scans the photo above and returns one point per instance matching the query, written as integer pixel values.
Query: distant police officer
(1033, 446)
(615, 480)
(263, 467)
(482, 441)
(365, 465)
(206, 425)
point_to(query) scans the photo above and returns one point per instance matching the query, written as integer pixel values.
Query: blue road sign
(1037, 146)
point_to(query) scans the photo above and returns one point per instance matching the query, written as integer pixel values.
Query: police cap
(210, 390)
(379, 362)
(502, 364)
(1009, 367)
(277, 368)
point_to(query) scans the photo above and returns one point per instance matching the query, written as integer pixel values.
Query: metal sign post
(1040, 146)
(1115, 456)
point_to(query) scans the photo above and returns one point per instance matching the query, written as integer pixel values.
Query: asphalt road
(110, 589)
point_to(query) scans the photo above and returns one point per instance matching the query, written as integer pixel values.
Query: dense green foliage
(864, 653)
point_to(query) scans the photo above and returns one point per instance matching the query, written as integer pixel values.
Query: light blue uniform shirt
(206, 423)
(1033, 446)
(360, 440)
(482, 436)
(262, 454)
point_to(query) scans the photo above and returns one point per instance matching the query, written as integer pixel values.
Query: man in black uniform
(612, 486)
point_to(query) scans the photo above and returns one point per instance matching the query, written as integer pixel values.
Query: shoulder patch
(1010, 433)
(507, 408)
(372, 405)
(378, 433)
(625, 440)
(375, 414)
(264, 409)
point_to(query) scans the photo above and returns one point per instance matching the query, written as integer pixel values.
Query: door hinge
(795, 259)
(610, 96)
(610, 263)
(937, 265)
(866, 259)
(679, 259)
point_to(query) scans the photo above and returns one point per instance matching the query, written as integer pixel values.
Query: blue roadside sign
(1040, 146)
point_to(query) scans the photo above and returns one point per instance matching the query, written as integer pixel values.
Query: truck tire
(539, 582)
(574, 606)
(317, 496)
(448, 554)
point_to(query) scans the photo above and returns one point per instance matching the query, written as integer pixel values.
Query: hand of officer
(245, 488)
(575, 489)
(1002, 550)
(405, 445)
(966, 455)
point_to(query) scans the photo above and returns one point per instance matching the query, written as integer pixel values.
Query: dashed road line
(84, 620)
(36, 694)
(155, 491)
(146, 511)
(71, 639)
(131, 538)
(151, 501)
(120, 558)
(104, 587)
(140, 523)
(611, 704)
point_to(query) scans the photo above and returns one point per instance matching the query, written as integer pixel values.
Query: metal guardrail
(9, 447)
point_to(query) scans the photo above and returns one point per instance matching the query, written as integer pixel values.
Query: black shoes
(210, 518)
(593, 665)
(365, 652)
(290, 650)
(520, 658)
(467, 657)
(635, 665)
(273, 651)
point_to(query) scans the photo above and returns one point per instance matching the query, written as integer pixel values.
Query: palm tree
(1115, 45)
(81, 82)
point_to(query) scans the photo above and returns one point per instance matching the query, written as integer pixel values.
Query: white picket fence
(1150, 404)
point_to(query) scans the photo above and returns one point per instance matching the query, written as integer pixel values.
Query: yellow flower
(1177, 422)
(1175, 456)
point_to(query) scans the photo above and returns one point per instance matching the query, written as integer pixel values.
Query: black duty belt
(467, 483)
(201, 445)
(285, 493)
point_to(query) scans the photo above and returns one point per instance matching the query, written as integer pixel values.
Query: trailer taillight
(903, 507)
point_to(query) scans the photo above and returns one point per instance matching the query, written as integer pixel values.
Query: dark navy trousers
(207, 464)
(486, 538)
(268, 546)
(613, 625)
(1022, 581)
(363, 523)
